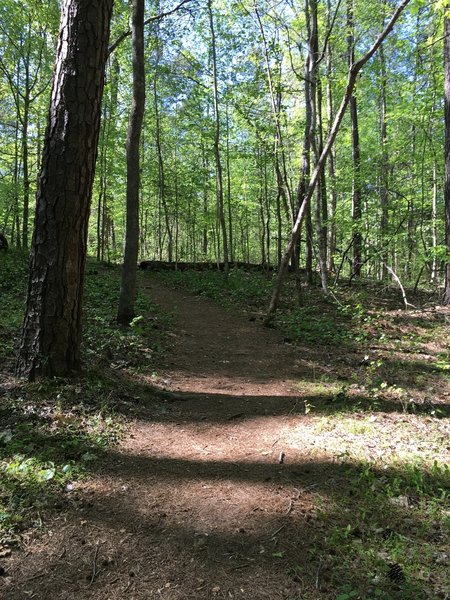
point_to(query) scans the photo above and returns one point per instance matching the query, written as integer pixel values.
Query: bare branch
(328, 35)
(157, 17)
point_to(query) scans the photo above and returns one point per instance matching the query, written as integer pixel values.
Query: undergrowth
(375, 391)
(54, 432)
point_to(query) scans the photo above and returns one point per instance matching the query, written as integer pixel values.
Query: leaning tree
(353, 72)
(51, 334)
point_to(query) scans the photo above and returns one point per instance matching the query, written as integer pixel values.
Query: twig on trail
(275, 442)
(167, 396)
(94, 565)
(298, 494)
(236, 416)
(275, 533)
(310, 487)
(318, 574)
(239, 567)
(35, 576)
(294, 407)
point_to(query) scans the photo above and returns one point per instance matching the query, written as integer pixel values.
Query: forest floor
(252, 467)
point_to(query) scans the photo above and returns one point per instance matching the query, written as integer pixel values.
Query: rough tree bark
(352, 75)
(51, 335)
(127, 296)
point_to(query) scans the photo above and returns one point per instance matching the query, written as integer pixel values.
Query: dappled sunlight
(247, 463)
(217, 383)
(188, 503)
(257, 440)
(240, 436)
(383, 439)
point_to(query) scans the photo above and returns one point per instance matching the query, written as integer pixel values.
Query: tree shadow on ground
(151, 402)
(319, 521)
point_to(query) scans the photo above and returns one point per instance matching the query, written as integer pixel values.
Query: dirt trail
(217, 352)
(212, 492)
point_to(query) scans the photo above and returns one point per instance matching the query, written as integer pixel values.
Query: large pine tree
(51, 334)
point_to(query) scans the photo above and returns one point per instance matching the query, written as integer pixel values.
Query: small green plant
(55, 431)
(348, 595)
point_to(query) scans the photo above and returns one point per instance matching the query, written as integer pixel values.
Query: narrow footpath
(213, 491)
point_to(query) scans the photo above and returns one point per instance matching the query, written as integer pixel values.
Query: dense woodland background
(320, 445)
(281, 69)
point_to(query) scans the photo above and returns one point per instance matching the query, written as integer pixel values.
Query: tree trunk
(102, 192)
(230, 212)
(205, 207)
(331, 158)
(161, 166)
(108, 125)
(267, 205)
(446, 296)
(305, 167)
(316, 138)
(278, 206)
(51, 335)
(321, 203)
(16, 219)
(384, 167)
(128, 283)
(356, 154)
(25, 166)
(219, 174)
(284, 189)
(177, 207)
(434, 229)
(161, 172)
(261, 199)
